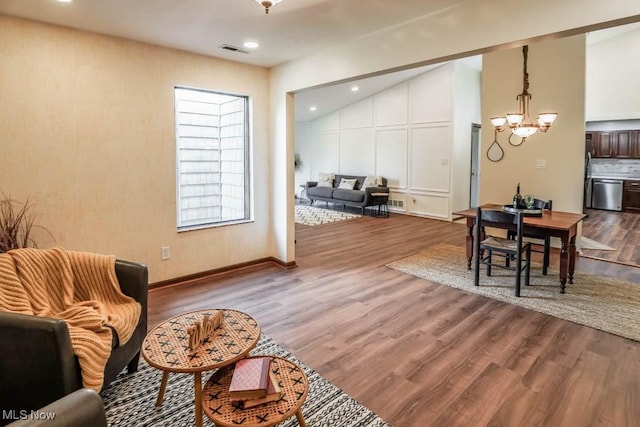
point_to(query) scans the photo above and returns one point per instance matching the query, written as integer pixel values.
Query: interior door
(475, 165)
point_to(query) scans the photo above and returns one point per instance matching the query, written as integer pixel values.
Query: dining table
(563, 225)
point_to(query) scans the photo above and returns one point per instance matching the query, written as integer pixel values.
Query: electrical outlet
(541, 164)
(165, 253)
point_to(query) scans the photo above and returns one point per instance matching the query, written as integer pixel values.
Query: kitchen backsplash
(616, 167)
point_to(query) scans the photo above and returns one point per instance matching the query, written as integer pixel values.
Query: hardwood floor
(619, 230)
(419, 353)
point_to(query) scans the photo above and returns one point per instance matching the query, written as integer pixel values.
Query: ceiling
(292, 29)
(594, 37)
(326, 100)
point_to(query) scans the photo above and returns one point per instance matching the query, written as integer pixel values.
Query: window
(212, 142)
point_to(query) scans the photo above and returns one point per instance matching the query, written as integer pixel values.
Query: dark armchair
(82, 408)
(39, 366)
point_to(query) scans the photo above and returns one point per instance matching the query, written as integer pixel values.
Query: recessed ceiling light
(313, 108)
(65, 1)
(354, 88)
(251, 45)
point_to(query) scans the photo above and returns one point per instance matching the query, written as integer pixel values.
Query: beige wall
(87, 129)
(557, 79)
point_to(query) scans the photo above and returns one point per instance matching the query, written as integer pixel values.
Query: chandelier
(267, 4)
(519, 122)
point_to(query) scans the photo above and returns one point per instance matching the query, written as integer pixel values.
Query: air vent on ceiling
(233, 48)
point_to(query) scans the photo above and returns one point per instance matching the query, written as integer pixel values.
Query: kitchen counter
(621, 177)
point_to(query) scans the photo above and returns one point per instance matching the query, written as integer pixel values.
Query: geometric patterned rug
(130, 399)
(603, 303)
(310, 215)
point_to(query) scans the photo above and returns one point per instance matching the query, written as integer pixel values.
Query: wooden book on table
(250, 378)
(273, 393)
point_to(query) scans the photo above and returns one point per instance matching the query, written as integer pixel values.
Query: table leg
(572, 258)
(197, 383)
(300, 418)
(470, 223)
(163, 387)
(564, 262)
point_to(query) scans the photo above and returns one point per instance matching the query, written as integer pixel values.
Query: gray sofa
(358, 197)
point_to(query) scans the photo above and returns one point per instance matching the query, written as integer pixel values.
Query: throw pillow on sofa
(326, 179)
(347, 184)
(371, 181)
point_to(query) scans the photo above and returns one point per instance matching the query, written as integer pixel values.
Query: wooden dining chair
(516, 249)
(539, 244)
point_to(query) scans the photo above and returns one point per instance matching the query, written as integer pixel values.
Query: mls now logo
(27, 415)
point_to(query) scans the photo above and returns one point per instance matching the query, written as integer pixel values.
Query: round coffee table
(166, 347)
(292, 381)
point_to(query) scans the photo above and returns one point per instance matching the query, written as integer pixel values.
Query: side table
(291, 379)
(166, 347)
(303, 193)
(380, 201)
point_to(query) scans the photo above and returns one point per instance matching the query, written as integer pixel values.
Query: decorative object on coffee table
(274, 392)
(250, 378)
(166, 348)
(200, 332)
(294, 388)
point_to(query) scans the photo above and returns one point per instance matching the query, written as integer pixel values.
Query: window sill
(214, 225)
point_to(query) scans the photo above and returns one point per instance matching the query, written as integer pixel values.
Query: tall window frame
(212, 158)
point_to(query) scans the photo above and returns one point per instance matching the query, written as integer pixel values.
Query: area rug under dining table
(130, 399)
(603, 303)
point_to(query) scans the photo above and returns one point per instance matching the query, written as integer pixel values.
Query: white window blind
(212, 156)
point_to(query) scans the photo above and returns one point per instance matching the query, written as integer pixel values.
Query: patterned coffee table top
(291, 379)
(166, 347)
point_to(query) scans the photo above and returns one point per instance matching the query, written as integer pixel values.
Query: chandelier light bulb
(515, 119)
(524, 131)
(548, 118)
(498, 122)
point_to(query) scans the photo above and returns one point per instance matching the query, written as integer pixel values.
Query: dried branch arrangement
(17, 222)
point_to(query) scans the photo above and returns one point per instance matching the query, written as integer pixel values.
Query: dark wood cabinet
(619, 144)
(605, 146)
(635, 145)
(623, 140)
(591, 140)
(631, 197)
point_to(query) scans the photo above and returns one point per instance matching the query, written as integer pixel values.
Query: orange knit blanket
(78, 287)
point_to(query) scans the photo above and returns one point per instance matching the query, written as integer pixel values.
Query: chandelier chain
(525, 73)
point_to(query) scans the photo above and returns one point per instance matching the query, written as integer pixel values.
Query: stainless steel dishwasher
(607, 194)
